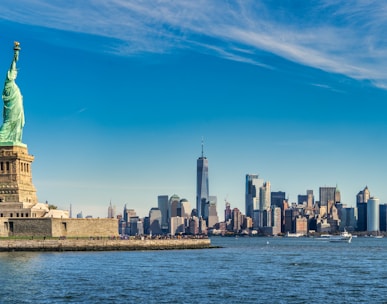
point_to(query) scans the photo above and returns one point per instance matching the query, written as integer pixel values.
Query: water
(245, 270)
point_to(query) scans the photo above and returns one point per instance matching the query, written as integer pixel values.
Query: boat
(378, 235)
(344, 236)
(294, 235)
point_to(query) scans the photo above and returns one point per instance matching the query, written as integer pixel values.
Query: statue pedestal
(16, 176)
(10, 143)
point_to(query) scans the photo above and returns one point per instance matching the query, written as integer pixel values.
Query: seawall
(102, 244)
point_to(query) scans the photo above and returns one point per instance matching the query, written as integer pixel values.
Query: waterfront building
(155, 218)
(253, 184)
(237, 220)
(276, 220)
(301, 225)
(278, 199)
(361, 203)
(264, 214)
(122, 226)
(162, 204)
(248, 223)
(257, 219)
(136, 226)
(290, 220)
(177, 225)
(202, 187)
(202, 226)
(213, 218)
(362, 217)
(373, 214)
(383, 217)
(193, 226)
(348, 219)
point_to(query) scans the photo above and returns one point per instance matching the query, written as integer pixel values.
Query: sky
(119, 94)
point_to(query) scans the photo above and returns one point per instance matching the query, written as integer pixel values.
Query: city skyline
(117, 98)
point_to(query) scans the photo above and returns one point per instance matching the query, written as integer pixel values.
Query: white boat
(294, 235)
(345, 236)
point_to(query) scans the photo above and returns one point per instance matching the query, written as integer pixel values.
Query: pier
(103, 244)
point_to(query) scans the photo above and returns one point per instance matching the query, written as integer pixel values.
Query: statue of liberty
(13, 112)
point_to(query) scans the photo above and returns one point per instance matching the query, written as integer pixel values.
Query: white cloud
(346, 37)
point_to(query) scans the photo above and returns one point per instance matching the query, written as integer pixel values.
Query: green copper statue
(13, 112)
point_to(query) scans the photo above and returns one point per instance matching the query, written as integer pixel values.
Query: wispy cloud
(346, 37)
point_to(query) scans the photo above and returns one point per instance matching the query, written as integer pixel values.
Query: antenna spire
(202, 147)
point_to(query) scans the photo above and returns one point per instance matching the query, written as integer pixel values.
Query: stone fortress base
(21, 215)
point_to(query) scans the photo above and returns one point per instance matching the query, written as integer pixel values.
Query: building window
(11, 215)
(7, 164)
(1, 215)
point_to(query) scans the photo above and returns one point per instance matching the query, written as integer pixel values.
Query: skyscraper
(155, 218)
(174, 202)
(373, 214)
(361, 203)
(253, 183)
(202, 190)
(265, 197)
(327, 194)
(162, 203)
(111, 211)
(185, 208)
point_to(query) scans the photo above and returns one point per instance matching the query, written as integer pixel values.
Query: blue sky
(118, 95)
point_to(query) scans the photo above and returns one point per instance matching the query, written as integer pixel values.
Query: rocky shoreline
(102, 244)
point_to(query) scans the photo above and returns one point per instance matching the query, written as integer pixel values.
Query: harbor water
(244, 270)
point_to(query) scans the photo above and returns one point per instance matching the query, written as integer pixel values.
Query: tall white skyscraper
(373, 214)
(265, 197)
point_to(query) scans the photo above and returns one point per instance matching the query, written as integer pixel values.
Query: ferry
(345, 236)
(294, 235)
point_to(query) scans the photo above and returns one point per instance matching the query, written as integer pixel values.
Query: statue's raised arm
(13, 112)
